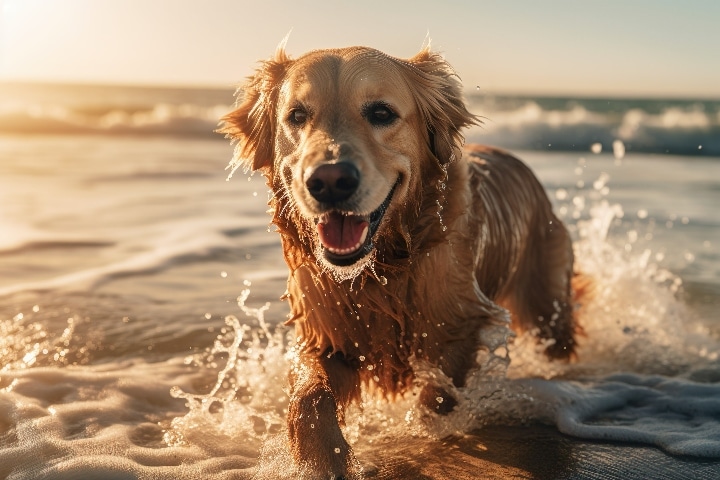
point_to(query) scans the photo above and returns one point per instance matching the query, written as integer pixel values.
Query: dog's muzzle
(346, 237)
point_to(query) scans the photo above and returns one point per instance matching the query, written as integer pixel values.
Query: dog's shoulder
(501, 168)
(487, 156)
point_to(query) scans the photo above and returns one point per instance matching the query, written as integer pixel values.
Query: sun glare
(15, 35)
(36, 35)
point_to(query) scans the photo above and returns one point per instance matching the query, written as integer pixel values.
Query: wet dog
(401, 243)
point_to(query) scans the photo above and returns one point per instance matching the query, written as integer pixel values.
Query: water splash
(441, 188)
(26, 343)
(247, 397)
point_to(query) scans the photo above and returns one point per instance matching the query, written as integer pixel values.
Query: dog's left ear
(252, 124)
(438, 92)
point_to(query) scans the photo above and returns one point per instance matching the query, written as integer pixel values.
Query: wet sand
(536, 452)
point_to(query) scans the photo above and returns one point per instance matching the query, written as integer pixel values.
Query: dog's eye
(297, 117)
(379, 114)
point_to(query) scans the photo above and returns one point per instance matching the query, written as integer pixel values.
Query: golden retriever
(402, 245)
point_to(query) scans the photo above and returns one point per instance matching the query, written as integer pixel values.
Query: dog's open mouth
(346, 237)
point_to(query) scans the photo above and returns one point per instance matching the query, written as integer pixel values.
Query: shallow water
(124, 352)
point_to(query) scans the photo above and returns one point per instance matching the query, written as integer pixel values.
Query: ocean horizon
(656, 125)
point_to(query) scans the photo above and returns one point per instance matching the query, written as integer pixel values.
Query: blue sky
(631, 47)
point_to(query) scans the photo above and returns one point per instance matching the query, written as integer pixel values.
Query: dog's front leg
(320, 388)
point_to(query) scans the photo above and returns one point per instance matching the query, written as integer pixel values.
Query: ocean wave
(681, 130)
(161, 119)
(33, 246)
(181, 244)
(679, 127)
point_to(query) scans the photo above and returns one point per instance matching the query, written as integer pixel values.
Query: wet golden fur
(468, 234)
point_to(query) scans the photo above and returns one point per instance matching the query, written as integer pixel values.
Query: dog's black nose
(333, 182)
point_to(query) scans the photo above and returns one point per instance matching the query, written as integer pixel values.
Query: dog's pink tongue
(342, 233)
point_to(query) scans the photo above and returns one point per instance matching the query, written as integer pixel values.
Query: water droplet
(596, 147)
(361, 358)
(601, 182)
(337, 450)
(618, 149)
(223, 274)
(382, 280)
(439, 399)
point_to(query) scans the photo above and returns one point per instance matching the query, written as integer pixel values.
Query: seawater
(645, 125)
(141, 331)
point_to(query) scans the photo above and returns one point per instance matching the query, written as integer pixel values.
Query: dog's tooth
(363, 236)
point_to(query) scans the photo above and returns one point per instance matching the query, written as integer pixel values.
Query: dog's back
(524, 253)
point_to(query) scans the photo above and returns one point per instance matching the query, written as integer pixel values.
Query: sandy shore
(533, 453)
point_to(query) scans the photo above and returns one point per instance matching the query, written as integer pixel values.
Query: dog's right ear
(438, 92)
(252, 124)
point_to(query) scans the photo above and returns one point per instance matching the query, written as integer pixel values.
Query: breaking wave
(680, 128)
(663, 126)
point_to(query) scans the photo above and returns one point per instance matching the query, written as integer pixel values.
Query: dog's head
(346, 137)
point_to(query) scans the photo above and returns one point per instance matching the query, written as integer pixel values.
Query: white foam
(679, 416)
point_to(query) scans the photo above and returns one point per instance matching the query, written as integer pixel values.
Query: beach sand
(536, 452)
